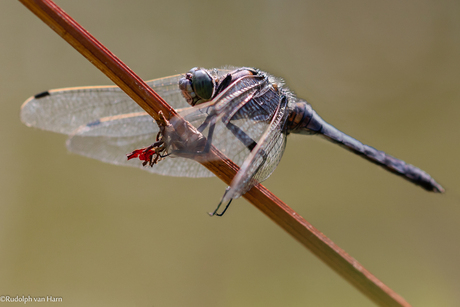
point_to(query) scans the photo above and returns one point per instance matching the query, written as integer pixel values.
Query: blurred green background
(385, 72)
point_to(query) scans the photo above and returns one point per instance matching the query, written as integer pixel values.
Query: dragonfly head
(197, 86)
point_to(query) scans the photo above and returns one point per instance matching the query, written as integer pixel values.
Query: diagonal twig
(221, 166)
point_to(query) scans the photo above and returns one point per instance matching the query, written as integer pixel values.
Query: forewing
(65, 110)
(264, 158)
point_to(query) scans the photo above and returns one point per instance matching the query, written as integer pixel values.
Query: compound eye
(203, 83)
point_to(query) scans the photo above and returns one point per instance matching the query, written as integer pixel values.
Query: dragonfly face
(197, 86)
(244, 112)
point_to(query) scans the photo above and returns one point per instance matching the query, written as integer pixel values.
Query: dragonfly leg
(218, 206)
(167, 155)
(242, 136)
(207, 147)
(211, 123)
(237, 132)
(205, 123)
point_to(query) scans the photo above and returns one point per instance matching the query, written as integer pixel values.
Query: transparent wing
(111, 138)
(264, 158)
(65, 110)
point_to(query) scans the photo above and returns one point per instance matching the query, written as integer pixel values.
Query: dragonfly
(244, 112)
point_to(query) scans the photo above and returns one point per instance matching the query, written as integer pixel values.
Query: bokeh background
(385, 72)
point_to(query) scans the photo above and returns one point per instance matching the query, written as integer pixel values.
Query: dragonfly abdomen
(304, 120)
